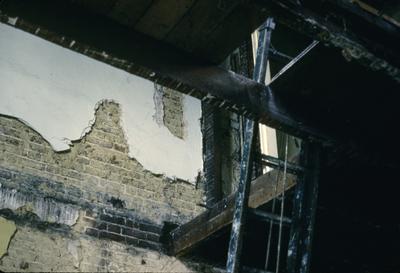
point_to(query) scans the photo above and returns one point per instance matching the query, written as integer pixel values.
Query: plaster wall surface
(56, 91)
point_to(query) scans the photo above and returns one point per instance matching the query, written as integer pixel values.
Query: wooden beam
(246, 161)
(199, 21)
(220, 215)
(387, 8)
(157, 23)
(304, 209)
(128, 12)
(356, 43)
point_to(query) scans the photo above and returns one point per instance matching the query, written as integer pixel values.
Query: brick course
(173, 112)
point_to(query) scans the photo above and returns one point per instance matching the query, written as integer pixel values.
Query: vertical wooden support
(211, 153)
(304, 207)
(239, 216)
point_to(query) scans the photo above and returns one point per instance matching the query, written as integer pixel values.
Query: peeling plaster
(158, 105)
(54, 90)
(7, 230)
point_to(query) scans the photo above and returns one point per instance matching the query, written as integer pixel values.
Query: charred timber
(372, 52)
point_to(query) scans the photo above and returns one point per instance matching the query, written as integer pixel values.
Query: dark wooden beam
(385, 23)
(357, 44)
(220, 215)
(304, 209)
(162, 17)
(103, 39)
(246, 163)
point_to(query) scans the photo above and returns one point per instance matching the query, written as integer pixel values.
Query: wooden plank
(262, 190)
(200, 20)
(162, 16)
(388, 8)
(97, 6)
(126, 12)
(129, 12)
(304, 209)
(357, 43)
(227, 35)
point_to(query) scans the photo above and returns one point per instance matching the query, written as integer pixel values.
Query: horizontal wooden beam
(378, 50)
(103, 39)
(221, 214)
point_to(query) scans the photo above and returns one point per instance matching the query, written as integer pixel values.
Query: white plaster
(54, 90)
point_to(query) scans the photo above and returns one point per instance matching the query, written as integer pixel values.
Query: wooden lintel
(220, 215)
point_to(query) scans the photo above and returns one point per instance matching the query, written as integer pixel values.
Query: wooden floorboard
(157, 22)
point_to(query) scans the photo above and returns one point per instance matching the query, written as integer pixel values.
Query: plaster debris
(158, 105)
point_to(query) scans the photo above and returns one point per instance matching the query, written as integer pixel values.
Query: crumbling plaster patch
(168, 106)
(7, 230)
(158, 105)
(53, 90)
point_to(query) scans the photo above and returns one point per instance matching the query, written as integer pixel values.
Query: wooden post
(239, 216)
(304, 207)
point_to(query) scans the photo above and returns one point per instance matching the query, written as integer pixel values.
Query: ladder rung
(277, 163)
(247, 269)
(266, 216)
(279, 56)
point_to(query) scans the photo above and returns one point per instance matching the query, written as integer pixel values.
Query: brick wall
(169, 110)
(173, 112)
(93, 195)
